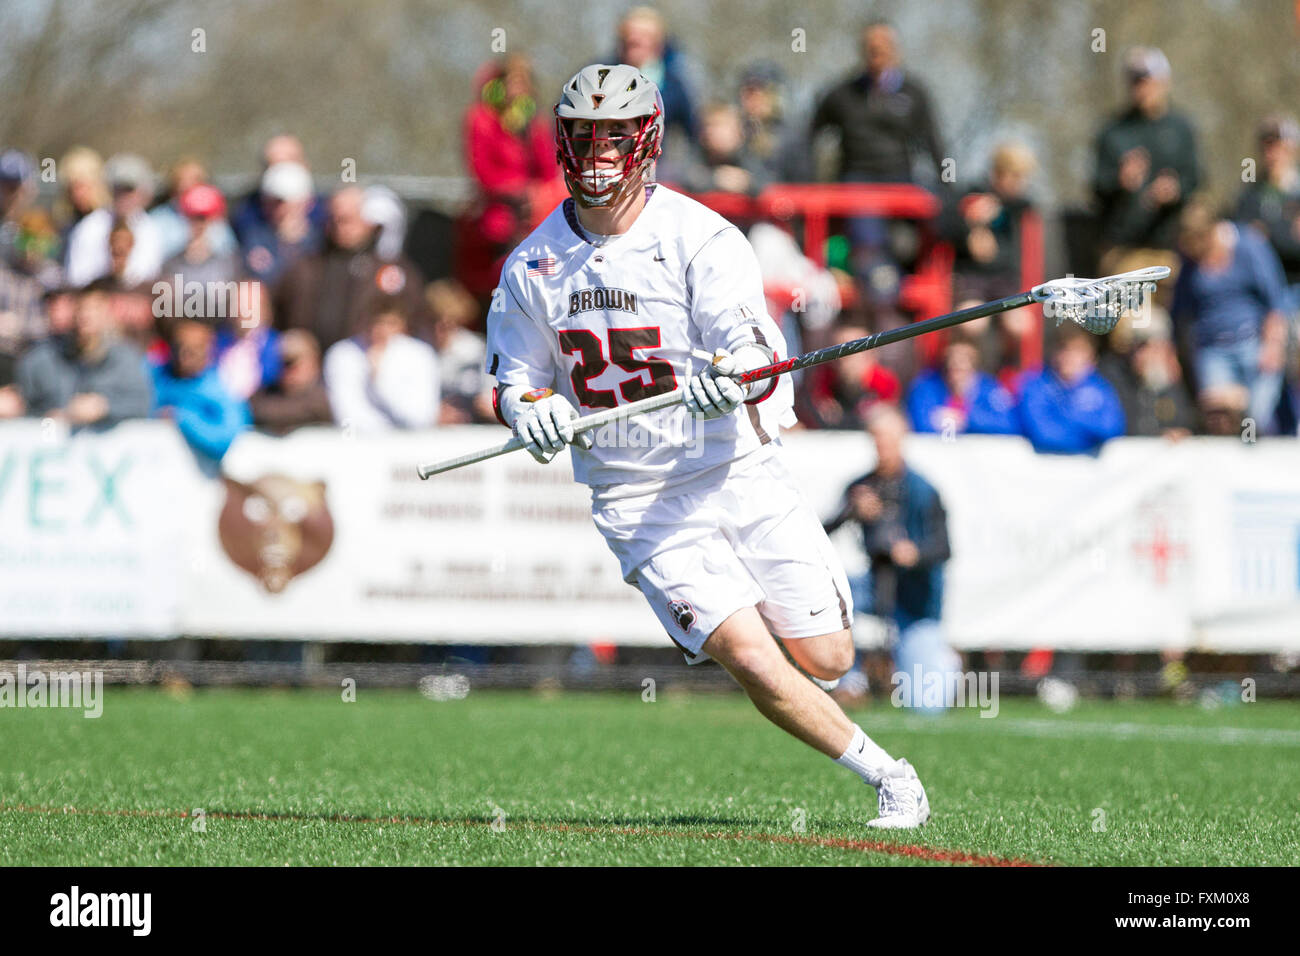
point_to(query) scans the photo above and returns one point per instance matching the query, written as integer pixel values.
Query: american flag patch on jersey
(541, 267)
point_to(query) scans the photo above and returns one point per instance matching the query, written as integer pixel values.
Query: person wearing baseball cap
(1146, 167)
(174, 225)
(15, 167)
(284, 230)
(288, 181)
(263, 222)
(17, 190)
(1142, 62)
(17, 179)
(202, 201)
(202, 206)
(382, 208)
(127, 172)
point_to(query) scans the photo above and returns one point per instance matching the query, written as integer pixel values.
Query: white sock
(865, 758)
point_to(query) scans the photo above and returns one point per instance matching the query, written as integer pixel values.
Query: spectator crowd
(281, 309)
(107, 309)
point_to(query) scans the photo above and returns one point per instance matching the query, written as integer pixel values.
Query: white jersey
(608, 324)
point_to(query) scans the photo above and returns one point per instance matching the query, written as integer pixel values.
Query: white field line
(1029, 727)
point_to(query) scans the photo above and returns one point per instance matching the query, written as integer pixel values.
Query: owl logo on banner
(275, 528)
(683, 614)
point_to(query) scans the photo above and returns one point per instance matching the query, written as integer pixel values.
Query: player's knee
(840, 656)
(832, 669)
(828, 657)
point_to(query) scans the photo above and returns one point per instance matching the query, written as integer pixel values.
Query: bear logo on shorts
(682, 613)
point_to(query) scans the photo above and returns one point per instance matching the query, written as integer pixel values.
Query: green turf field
(300, 777)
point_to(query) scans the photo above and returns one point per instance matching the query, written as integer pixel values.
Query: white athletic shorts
(745, 538)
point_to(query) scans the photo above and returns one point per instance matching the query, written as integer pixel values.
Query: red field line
(928, 853)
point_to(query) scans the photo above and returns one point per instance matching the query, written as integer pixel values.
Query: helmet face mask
(599, 168)
(608, 132)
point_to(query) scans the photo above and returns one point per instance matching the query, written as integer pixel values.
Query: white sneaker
(903, 803)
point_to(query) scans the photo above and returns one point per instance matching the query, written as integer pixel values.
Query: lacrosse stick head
(1098, 304)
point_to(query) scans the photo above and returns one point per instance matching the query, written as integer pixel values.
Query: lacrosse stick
(1095, 304)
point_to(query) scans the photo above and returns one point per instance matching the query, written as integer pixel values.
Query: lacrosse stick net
(1098, 304)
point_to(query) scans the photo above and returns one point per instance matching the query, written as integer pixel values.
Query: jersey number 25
(622, 344)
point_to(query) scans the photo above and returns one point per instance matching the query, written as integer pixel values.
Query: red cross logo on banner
(1161, 550)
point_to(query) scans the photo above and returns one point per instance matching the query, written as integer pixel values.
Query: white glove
(714, 393)
(542, 420)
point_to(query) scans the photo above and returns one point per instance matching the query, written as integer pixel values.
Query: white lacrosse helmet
(608, 92)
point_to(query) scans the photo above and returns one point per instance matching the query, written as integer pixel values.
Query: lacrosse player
(607, 302)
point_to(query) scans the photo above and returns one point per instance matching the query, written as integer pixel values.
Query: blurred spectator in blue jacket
(959, 399)
(288, 226)
(1070, 408)
(188, 390)
(1231, 306)
(904, 528)
(643, 43)
(250, 211)
(905, 535)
